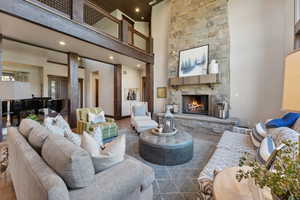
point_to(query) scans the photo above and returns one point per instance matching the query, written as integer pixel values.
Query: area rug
(176, 182)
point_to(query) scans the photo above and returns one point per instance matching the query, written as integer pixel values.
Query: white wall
(160, 28)
(130, 79)
(261, 35)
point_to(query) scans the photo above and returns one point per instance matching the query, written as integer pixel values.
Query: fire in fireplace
(195, 104)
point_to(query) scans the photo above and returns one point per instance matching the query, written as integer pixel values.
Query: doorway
(96, 93)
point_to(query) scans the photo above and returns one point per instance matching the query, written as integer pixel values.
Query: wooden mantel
(208, 79)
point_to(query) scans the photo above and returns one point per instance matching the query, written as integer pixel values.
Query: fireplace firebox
(195, 104)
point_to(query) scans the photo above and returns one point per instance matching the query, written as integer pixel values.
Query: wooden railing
(98, 19)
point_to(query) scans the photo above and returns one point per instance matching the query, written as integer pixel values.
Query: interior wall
(131, 78)
(261, 36)
(160, 29)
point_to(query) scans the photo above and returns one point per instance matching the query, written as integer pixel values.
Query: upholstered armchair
(141, 118)
(109, 127)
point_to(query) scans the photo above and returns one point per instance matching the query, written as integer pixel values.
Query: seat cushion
(37, 137)
(72, 163)
(139, 110)
(26, 127)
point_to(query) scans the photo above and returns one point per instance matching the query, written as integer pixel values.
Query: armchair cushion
(96, 118)
(139, 110)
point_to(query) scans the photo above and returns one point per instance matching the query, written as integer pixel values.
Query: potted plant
(283, 178)
(33, 117)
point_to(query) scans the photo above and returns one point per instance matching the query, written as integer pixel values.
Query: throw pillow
(96, 118)
(258, 134)
(283, 134)
(288, 120)
(98, 137)
(26, 126)
(72, 137)
(54, 129)
(37, 137)
(265, 150)
(112, 154)
(89, 144)
(296, 126)
(69, 161)
(139, 110)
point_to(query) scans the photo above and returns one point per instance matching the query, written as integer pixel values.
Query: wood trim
(150, 86)
(1, 68)
(73, 64)
(49, 20)
(118, 91)
(59, 63)
(102, 11)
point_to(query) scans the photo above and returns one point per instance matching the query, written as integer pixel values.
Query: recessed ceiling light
(62, 43)
(111, 57)
(138, 65)
(137, 10)
(142, 18)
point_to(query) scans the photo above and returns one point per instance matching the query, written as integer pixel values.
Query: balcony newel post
(124, 31)
(77, 11)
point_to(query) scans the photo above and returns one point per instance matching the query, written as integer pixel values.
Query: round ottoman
(172, 150)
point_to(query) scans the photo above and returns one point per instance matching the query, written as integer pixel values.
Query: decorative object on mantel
(193, 62)
(162, 92)
(222, 110)
(213, 67)
(174, 108)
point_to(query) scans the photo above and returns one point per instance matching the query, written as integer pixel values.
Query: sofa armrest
(82, 126)
(116, 182)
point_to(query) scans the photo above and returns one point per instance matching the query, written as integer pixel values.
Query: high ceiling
(128, 7)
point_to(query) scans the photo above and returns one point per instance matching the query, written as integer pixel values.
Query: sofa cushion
(281, 134)
(73, 164)
(119, 182)
(26, 127)
(37, 137)
(266, 148)
(73, 137)
(112, 154)
(287, 120)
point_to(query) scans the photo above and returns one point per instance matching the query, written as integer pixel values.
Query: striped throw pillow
(265, 150)
(258, 134)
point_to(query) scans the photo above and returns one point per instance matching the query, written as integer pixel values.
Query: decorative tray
(156, 131)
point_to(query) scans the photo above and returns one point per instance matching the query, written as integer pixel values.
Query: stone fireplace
(195, 104)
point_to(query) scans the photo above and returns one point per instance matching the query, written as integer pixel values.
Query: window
(15, 76)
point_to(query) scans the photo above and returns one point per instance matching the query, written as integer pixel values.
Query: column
(118, 91)
(73, 64)
(150, 86)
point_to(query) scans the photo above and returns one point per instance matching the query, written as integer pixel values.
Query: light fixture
(111, 57)
(138, 65)
(137, 10)
(62, 43)
(142, 18)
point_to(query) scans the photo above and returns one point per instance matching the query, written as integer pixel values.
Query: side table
(227, 187)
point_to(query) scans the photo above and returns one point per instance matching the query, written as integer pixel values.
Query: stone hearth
(201, 123)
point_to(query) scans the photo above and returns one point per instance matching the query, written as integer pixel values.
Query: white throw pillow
(96, 118)
(55, 129)
(72, 137)
(266, 148)
(112, 154)
(89, 144)
(98, 136)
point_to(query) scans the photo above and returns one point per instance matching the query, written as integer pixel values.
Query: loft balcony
(86, 21)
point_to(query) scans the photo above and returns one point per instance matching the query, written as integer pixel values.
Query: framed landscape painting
(193, 62)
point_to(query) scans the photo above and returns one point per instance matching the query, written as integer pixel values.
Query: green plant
(283, 178)
(33, 117)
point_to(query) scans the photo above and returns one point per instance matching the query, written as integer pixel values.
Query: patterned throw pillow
(96, 118)
(258, 134)
(265, 150)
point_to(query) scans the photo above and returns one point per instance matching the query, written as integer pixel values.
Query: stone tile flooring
(176, 182)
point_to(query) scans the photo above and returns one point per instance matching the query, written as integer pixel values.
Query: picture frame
(161, 92)
(193, 61)
(131, 94)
